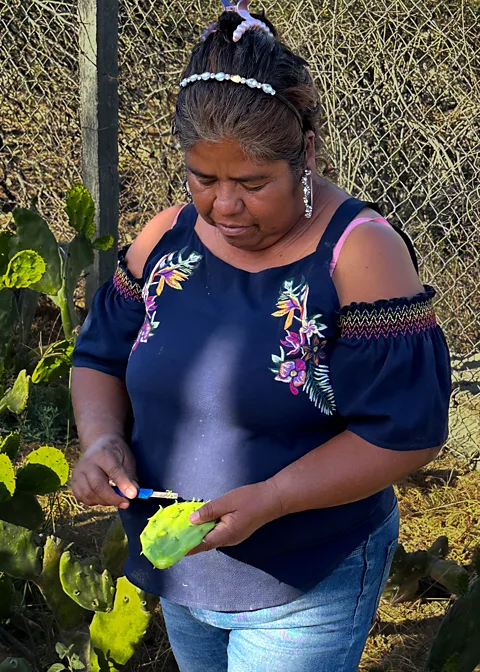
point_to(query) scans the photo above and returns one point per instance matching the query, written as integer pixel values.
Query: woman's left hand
(241, 512)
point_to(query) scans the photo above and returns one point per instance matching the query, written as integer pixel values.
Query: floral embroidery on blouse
(172, 269)
(302, 351)
(389, 319)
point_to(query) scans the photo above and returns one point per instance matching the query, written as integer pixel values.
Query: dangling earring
(185, 191)
(308, 193)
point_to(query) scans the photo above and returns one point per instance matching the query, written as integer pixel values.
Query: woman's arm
(100, 400)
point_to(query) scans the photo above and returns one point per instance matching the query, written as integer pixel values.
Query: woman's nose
(227, 201)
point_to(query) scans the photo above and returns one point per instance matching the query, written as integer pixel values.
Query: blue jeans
(324, 630)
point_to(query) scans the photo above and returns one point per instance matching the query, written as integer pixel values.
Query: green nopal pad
(15, 400)
(15, 665)
(24, 269)
(7, 478)
(169, 534)
(68, 614)
(45, 471)
(114, 549)
(10, 445)
(20, 553)
(115, 636)
(22, 509)
(85, 585)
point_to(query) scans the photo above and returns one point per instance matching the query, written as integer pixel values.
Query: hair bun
(228, 22)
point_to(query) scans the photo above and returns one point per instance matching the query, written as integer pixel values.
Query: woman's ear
(310, 151)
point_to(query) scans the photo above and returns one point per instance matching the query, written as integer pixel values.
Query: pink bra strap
(177, 216)
(353, 225)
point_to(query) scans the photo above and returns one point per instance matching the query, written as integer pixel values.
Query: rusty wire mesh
(400, 88)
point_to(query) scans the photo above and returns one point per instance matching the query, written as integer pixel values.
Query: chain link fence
(400, 87)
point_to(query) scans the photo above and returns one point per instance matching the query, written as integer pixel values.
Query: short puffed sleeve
(112, 324)
(390, 372)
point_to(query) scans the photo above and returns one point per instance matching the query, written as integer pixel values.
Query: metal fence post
(98, 57)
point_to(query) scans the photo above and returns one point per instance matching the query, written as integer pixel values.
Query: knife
(147, 493)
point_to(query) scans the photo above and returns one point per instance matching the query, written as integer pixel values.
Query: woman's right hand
(108, 458)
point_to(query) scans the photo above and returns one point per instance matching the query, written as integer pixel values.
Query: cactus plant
(409, 568)
(7, 478)
(86, 586)
(10, 445)
(114, 636)
(20, 551)
(456, 647)
(169, 534)
(16, 398)
(64, 262)
(68, 614)
(114, 549)
(24, 269)
(15, 665)
(45, 471)
(55, 363)
(6, 595)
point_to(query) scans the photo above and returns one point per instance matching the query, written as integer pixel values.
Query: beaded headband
(248, 23)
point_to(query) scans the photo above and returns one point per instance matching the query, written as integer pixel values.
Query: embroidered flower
(149, 304)
(294, 373)
(143, 334)
(287, 307)
(294, 341)
(305, 371)
(314, 351)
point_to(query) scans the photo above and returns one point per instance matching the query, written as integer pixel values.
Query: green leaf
(318, 387)
(24, 269)
(62, 650)
(76, 663)
(103, 242)
(55, 363)
(7, 478)
(33, 233)
(45, 471)
(23, 509)
(80, 209)
(56, 667)
(10, 445)
(5, 237)
(15, 399)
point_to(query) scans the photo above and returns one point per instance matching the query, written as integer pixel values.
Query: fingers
(208, 512)
(116, 473)
(222, 535)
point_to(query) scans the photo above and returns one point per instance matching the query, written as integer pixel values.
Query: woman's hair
(264, 126)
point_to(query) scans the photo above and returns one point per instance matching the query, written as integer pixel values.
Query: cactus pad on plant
(22, 509)
(114, 549)
(169, 534)
(20, 552)
(15, 399)
(114, 636)
(83, 584)
(55, 363)
(7, 478)
(10, 445)
(80, 209)
(15, 665)
(24, 269)
(67, 612)
(45, 471)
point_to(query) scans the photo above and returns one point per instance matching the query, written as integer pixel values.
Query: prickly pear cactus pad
(7, 478)
(15, 400)
(10, 445)
(24, 269)
(86, 586)
(169, 534)
(80, 209)
(115, 636)
(15, 665)
(45, 471)
(20, 552)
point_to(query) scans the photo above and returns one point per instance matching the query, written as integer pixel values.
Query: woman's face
(252, 205)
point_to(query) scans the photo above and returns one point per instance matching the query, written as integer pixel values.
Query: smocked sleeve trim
(388, 317)
(124, 282)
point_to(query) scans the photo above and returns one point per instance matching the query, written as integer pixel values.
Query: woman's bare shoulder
(374, 264)
(148, 237)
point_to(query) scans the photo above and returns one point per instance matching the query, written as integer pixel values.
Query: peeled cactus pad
(46, 470)
(7, 478)
(85, 585)
(24, 269)
(169, 534)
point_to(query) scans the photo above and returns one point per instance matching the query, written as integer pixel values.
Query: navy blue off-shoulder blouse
(234, 375)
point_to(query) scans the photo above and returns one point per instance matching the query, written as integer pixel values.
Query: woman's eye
(206, 183)
(256, 188)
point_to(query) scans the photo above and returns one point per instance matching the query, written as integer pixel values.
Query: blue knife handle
(142, 493)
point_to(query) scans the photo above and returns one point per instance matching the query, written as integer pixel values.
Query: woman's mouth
(231, 230)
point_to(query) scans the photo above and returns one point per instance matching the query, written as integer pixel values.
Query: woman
(281, 360)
